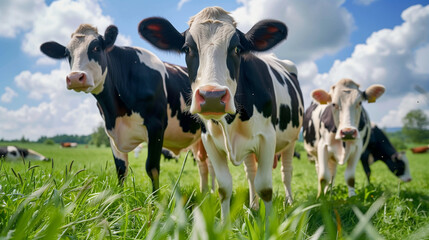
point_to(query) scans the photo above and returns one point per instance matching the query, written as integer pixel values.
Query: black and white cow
(140, 98)
(250, 104)
(336, 133)
(13, 153)
(380, 148)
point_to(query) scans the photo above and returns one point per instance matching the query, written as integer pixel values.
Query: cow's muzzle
(77, 81)
(212, 101)
(348, 134)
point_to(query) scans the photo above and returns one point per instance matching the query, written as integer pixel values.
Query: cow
(68, 144)
(140, 98)
(336, 133)
(251, 104)
(13, 153)
(380, 148)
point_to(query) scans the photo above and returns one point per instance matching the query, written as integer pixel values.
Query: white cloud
(18, 15)
(63, 111)
(316, 28)
(60, 19)
(8, 95)
(180, 4)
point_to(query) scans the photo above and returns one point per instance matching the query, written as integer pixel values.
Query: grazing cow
(339, 131)
(140, 98)
(380, 148)
(68, 144)
(251, 104)
(15, 153)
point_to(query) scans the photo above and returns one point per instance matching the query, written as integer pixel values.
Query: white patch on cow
(12, 153)
(153, 62)
(33, 155)
(128, 132)
(80, 63)
(212, 31)
(175, 139)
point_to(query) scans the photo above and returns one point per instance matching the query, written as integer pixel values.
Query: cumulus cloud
(62, 111)
(396, 58)
(18, 15)
(315, 28)
(60, 19)
(8, 95)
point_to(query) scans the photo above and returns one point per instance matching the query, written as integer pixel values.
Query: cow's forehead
(345, 90)
(212, 25)
(82, 38)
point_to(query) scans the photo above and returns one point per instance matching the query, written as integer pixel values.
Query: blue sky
(370, 41)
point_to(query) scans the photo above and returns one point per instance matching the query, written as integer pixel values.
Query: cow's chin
(212, 115)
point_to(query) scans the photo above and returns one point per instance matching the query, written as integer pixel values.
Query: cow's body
(140, 98)
(338, 132)
(250, 104)
(13, 153)
(380, 148)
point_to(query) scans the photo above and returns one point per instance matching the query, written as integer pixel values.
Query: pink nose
(348, 133)
(211, 100)
(76, 80)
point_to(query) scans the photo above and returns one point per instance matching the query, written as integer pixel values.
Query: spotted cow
(336, 133)
(13, 153)
(251, 104)
(380, 148)
(140, 98)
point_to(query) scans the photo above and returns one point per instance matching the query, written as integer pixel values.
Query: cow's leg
(332, 165)
(212, 175)
(155, 141)
(349, 174)
(323, 173)
(263, 178)
(223, 176)
(250, 168)
(204, 167)
(365, 164)
(121, 162)
(287, 157)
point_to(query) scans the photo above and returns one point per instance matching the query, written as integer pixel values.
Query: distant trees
(82, 139)
(416, 126)
(99, 137)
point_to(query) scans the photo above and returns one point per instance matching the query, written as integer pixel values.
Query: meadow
(76, 196)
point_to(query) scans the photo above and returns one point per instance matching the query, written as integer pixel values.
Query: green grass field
(77, 197)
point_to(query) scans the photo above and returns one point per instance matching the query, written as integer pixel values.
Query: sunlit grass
(77, 197)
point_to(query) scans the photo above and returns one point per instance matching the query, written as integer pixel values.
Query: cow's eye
(96, 49)
(237, 50)
(186, 49)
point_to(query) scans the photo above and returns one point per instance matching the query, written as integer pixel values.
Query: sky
(370, 41)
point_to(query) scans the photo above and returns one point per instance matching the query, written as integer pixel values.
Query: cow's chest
(128, 132)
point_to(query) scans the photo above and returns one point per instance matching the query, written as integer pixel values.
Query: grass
(76, 196)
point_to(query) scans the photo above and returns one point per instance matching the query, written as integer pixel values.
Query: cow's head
(213, 48)
(86, 53)
(402, 167)
(346, 103)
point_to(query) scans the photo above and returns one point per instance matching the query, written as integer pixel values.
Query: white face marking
(80, 63)
(346, 102)
(212, 35)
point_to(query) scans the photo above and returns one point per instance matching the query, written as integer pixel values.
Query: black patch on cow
(294, 102)
(177, 84)
(96, 52)
(121, 169)
(255, 88)
(294, 79)
(278, 76)
(3, 151)
(309, 132)
(328, 119)
(233, 57)
(284, 116)
(230, 118)
(192, 57)
(23, 152)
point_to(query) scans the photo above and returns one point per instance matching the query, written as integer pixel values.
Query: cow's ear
(321, 96)
(53, 50)
(161, 33)
(373, 92)
(265, 35)
(110, 37)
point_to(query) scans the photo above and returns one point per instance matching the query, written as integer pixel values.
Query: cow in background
(380, 148)
(140, 98)
(251, 104)
(337, 133)
(13, 153)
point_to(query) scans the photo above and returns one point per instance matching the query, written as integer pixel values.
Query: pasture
(76, 196)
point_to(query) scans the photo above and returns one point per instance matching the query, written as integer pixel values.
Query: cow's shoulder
(327, 118)
(309, 131)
